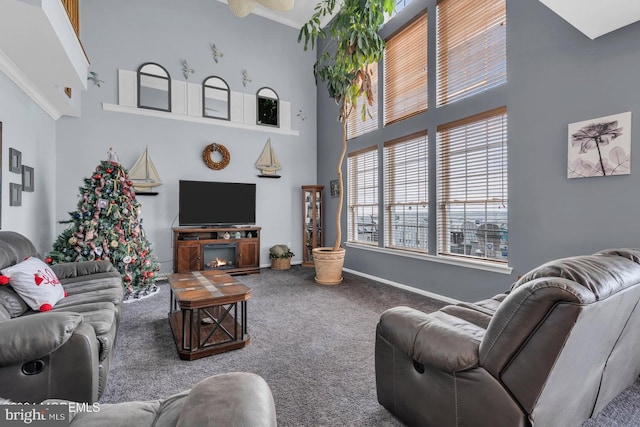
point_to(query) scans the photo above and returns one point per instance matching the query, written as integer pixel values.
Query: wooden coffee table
(207, 313)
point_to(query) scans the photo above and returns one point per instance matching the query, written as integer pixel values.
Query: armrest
(33, 336)
(440, 340)
(246, 401)
(69, 270)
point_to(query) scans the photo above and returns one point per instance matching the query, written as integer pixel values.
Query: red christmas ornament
(97, 176)
(48, 260)
(109, 170)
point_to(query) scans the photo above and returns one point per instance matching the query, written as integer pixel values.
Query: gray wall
(124, 34)
(28, 129)
(556, 76)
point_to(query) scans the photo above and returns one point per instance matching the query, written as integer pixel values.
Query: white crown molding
(22, 81)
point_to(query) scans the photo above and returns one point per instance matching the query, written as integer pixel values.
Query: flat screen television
(207, 203)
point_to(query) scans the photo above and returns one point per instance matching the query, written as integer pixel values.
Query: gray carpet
(314, 345)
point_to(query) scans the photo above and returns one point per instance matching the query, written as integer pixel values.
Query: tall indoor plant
(353, 45)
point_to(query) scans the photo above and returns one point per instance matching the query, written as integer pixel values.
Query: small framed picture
(102, 203)
(27, 178)
(15, 194)
(15, 160)
(334, 185)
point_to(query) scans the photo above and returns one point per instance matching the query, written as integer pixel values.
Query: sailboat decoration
(268, 162)
(144, 175)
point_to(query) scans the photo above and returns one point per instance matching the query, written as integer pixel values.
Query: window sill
(460, 262)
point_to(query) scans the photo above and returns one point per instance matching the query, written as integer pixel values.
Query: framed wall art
(15, 194)
(27, 178)
(15, 160)
(600, 147)
(334, 186)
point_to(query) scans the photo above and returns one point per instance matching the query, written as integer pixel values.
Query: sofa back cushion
(11, 302)
(15, 247)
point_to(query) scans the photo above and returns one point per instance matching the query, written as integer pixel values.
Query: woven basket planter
(280, 263)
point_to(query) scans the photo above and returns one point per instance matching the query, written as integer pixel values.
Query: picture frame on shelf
(27, 179)
(15, 160)
(15, 194)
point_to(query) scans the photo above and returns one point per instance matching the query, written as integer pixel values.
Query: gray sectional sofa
(63, 353)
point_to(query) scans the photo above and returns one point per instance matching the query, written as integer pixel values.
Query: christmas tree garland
(106, 226)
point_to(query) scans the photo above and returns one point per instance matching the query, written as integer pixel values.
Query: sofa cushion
(36, 283)
(12, 302)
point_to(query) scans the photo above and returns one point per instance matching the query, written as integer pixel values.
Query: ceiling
(595, 18)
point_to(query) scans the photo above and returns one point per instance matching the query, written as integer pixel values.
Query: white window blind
(472, 187)
(405, 72)
(471, 47)
(362, 188)
(406, 193)
(356, 126)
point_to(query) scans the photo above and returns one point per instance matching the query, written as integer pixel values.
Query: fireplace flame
(218, 262)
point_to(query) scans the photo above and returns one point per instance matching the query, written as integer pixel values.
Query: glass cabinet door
(312, 212)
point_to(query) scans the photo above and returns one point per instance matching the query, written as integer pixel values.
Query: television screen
(216, 203)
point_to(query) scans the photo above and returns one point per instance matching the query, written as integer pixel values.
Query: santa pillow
(35, 282)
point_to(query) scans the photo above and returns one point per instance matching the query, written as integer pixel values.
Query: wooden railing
(73, 11)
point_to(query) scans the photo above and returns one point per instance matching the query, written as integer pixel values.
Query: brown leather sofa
(64, 353)
(553, 351)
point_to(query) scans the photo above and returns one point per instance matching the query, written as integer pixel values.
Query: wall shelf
(196, 119)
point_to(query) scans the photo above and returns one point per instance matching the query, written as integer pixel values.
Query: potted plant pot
(328, 263)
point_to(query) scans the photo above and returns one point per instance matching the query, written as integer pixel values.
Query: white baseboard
(405, 287)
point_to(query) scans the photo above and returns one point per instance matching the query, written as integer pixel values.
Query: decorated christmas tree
(107, 226)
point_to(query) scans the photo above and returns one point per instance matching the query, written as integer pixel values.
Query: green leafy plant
(280, 251)
(354, 45)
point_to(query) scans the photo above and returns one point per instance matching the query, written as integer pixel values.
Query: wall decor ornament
(93, 78)
(27, 178)
(217, 53)
(15, 194)
(245, 78)
(216, 148)
(600, 147)
(186, 69)
(15, 160)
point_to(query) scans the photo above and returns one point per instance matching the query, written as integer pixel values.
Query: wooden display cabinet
(233, 250)
(312, 221)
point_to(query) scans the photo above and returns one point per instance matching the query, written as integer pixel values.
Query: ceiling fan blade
(241, 8)
(282, 5)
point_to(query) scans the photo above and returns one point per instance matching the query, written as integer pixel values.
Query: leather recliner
(553, 351)
(64, 353)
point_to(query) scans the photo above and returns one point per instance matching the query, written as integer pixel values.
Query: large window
(405, 72)
(471, 47)
(472, 187)
(406, 193)
(362, 192)
(364, 117)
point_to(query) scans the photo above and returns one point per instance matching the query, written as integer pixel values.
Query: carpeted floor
(314, 345)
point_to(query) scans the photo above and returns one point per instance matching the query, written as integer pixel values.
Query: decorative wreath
(212, 148)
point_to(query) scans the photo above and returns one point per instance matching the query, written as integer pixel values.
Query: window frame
(358, 183)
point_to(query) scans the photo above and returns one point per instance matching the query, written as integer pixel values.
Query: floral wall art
(600, 147)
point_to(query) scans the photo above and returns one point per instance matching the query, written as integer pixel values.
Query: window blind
(362, 196)
(472, 188)
(405, 72)
(406, 192)
(471, 55)
(356, 126)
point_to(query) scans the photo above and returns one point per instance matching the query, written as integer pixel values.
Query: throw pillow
(35, 282)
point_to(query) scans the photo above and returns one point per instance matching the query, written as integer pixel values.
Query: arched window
(267, 107)
(154, 87)
(215, 98)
